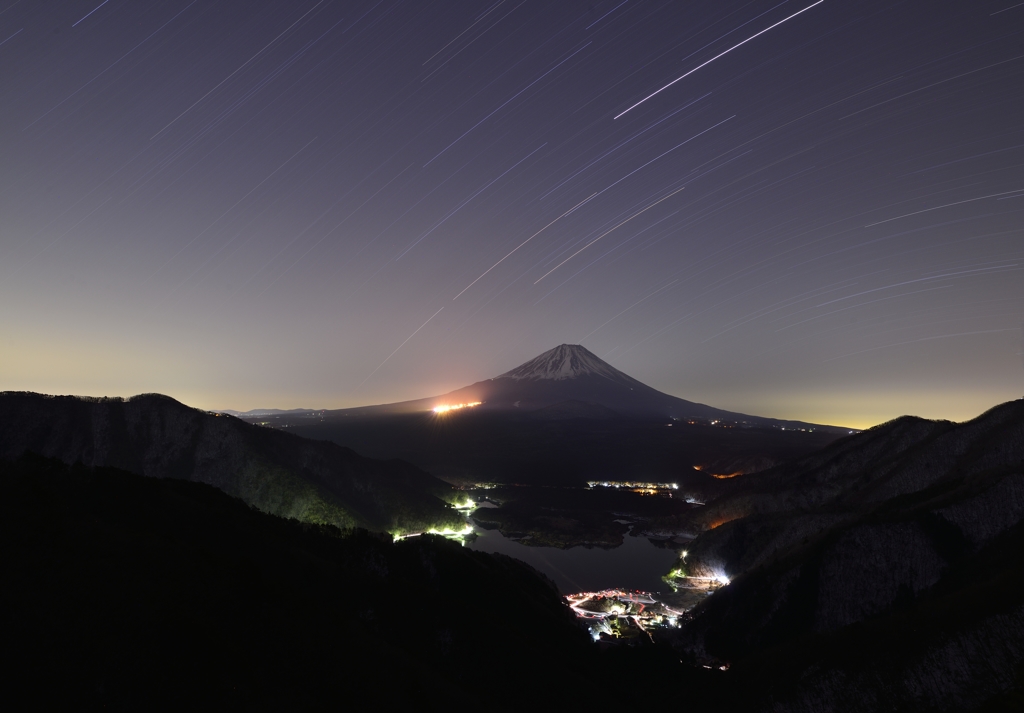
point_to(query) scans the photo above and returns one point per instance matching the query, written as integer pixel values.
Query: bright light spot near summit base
(445, 408)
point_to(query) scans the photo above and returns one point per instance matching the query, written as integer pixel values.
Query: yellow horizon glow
(44, 364)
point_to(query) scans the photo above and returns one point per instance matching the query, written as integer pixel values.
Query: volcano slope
(563, 417)
(275, 471)
(883, 573)
(567, 373)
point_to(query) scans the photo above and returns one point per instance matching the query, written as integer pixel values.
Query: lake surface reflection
(635, 564)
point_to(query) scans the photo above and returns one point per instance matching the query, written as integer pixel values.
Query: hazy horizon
(799, 210)
(857, 410)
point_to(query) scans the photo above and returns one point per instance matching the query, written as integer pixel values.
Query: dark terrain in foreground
(883, 572)
(130, 593)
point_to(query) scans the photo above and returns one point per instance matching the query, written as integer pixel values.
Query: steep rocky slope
(853, 475)
(279, 473)
(883, 573)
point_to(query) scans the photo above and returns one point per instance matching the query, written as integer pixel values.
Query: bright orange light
(445, 408)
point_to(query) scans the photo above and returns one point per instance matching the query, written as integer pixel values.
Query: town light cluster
(632, 484)
(448, 532)
(445, 408)
(607, 611)
(643, 488)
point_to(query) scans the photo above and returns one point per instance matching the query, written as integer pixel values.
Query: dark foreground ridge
(279, 473)
(883, 573)
(127, 593)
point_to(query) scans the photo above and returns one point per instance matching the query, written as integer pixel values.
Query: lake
(635, 564)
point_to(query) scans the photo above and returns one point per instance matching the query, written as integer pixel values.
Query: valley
(567, 516)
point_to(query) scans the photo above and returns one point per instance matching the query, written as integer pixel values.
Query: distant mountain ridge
(264, 412)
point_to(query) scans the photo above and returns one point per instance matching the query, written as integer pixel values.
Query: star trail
(794, 209)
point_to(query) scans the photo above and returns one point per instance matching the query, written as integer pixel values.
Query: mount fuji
(564, 416)
(570, 381)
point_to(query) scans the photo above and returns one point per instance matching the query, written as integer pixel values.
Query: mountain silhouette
(882, 572)
(127, 593)
(571, 372)
(275, 471)
(565, 416)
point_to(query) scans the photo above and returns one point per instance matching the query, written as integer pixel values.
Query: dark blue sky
(322, 204)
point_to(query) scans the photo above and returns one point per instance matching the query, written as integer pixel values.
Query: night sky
(243, 204)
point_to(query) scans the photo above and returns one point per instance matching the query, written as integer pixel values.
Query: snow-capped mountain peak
(566, 361)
